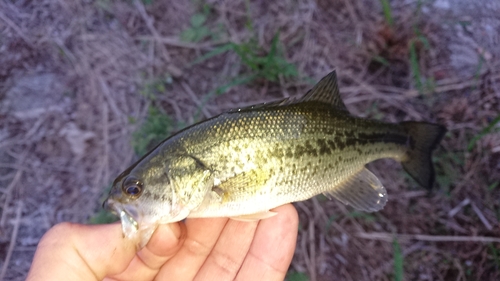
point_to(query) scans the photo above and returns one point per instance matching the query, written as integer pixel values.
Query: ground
(83, 83)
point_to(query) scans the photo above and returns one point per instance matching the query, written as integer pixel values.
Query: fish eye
(132, 186)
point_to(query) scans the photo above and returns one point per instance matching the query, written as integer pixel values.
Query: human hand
(199, 249)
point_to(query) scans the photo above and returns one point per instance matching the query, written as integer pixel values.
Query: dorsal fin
(263, 105)
(327, 91)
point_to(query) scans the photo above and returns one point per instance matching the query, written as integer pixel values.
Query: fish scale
(283, 143)
(247, 161)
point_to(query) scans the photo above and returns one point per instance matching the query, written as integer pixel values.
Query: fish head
(158, 189)
(143, 197)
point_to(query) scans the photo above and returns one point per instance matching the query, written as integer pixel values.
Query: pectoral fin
(244, 184)
(363, 191)
(255, 217)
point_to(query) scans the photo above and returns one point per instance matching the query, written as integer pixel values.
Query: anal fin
(255, 217)
(363, 191)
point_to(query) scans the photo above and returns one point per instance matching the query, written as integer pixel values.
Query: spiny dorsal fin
(263, 105)
(327, 91)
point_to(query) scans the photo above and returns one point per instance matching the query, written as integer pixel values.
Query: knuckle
(196, 248)
(59, 233)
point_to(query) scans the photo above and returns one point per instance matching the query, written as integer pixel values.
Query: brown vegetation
(72, 74)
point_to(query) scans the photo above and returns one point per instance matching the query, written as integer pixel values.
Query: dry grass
(71, 73)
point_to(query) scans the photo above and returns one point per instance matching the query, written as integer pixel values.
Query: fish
(246, 161)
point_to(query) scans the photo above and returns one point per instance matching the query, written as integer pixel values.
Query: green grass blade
(155, 128)
(478, 71)
(386, 8)
(398, 261)
(249, 23)
(296, 276)
(415, 69)
(213, 53)
(496, 255)
(381, 60)
(238, 81)
(488, 129)
(222, 89)
(103, 216)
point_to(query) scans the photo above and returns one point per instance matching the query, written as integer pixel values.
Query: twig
(172, 41)
(385, 267)
(8, 191)
(307, 260)
(13, 238)
(459, 207)
(105, 139)
(375, 93)
(74, 61)
(332, 223)
(413, 194)
(196, 100)
(175, 106)
(454, 85)
(326, 219)
(460, 268)
(152, 29)
(93, 88)
(389, 237)
(305, 52)
(16, 29)
(443, 89)
(355, 20)
(481, 217)
(312, 249)
(309, 254)
(308, 213)
(453, 225)
(110, 100)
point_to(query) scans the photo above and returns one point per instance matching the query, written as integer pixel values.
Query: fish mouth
(129, 217)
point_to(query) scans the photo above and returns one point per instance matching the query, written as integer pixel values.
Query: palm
(219, 249)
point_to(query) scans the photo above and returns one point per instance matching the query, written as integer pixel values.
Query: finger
(164, 243)
(229, 252)
(81, 252)
(201, 236)
(273, 246)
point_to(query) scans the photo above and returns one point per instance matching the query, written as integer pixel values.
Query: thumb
(81, 252)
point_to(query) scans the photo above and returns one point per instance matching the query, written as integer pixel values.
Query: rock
(33, 95)
(76, 138)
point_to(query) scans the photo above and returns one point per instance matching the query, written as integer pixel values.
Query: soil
(72, 74)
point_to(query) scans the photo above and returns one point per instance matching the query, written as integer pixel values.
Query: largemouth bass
(246, 161)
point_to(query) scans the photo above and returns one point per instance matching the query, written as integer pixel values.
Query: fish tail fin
(424, 138)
